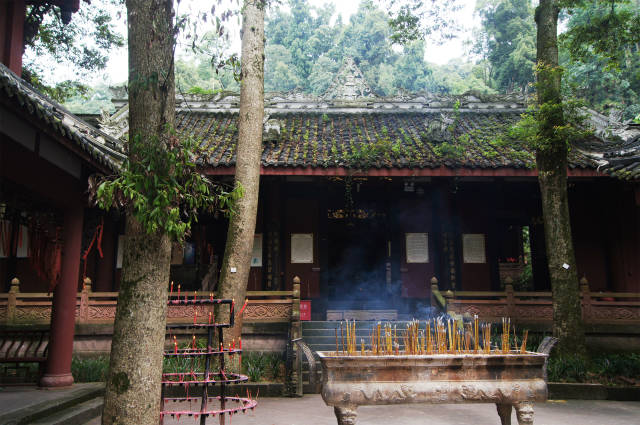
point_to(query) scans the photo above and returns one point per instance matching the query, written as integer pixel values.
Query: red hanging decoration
(97, 237)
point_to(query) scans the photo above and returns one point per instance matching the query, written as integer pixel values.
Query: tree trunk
(237, 256)
(133, 387)
(551, 159)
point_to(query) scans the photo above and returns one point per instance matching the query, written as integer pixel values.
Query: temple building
(367, 198)
(382, 206)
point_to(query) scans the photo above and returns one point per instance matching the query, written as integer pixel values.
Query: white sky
(116, 71)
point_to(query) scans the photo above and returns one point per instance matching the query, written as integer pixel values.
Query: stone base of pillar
(64, 380)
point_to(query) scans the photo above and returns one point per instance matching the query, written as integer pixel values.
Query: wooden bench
(24, 346)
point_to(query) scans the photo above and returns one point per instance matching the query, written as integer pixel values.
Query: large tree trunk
(551, 159)
(237, 255)
(133, 386)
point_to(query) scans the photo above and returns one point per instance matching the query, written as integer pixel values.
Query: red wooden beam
(403, 172)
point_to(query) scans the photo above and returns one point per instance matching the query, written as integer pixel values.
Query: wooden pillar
(12, 13)
(585, 293)
(63, 315)
(296, 332)
(272, 232)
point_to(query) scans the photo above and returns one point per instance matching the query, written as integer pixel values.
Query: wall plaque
(473, 250)
(302, 248)
(417, 245)
(256, 254)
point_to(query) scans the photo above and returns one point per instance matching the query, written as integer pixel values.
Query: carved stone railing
(537, 307)
(100, 307)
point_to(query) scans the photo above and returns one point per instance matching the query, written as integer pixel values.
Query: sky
(116, 71)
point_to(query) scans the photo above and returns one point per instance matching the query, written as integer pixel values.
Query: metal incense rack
(210, 406)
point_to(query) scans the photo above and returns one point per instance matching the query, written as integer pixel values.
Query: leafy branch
(161, 187)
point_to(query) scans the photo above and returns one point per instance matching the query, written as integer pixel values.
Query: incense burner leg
(504, 411)
(524, 412)
(346, 415)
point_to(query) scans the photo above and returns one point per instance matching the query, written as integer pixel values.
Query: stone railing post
(437, 300)
(84, 301)
(585, 293)
(296, 332)
(511, 299)
(434, 288)
(448, 297)
(12, 301)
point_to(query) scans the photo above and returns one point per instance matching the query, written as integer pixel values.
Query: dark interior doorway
(357, 263)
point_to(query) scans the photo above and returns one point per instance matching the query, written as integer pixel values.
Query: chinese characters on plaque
(417, 245)
(473, 251)
(301, 248)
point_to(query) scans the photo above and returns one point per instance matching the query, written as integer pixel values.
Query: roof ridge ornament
(349, 83)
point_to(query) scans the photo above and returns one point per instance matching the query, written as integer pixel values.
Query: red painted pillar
(63, 316)
(12, 13)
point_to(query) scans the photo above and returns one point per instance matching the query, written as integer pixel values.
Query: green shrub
(90, 369)
(254, 365)
(602, 368)
(183, 364)
(259, 365)
(275, 363)
(567, 369)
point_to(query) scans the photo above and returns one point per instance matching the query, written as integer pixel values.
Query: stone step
(22, 409)
(75, 415)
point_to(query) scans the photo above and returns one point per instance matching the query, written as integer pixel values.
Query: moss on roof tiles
(374, 140)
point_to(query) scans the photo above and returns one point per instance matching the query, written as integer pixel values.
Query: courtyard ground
(311, 410)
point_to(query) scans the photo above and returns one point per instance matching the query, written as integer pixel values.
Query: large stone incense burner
(515, 379)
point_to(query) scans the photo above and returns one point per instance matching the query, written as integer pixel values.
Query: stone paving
(311, 410)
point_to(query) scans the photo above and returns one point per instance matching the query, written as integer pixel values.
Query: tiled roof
(376, 139)
(620, 155)
(349, 126)
(101, 147)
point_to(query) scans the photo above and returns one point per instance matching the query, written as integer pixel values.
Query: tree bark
(551, 159)
(133, 387)
(237, 256)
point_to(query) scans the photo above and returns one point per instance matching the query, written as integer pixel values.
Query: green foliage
(95, 100)
(83, 44)
(601, 52)
(90, 369)
(159, 184)
(605, 27)
(305, 49)
(507, 42)
(550, 125)
(449, 150)
(600, 368)
(418, 19)
(59, 92)
(198, 71)
(258, 365)
(184, 364)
